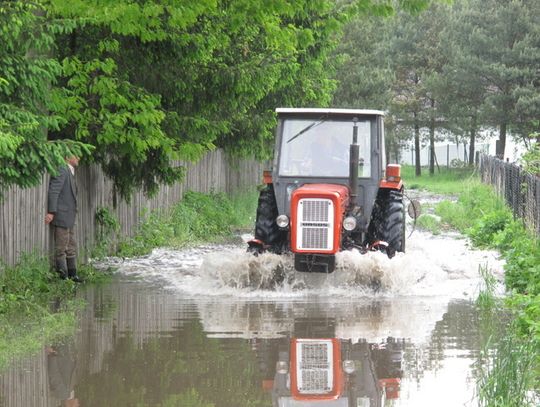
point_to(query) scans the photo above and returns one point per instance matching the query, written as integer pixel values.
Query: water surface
(213, 326)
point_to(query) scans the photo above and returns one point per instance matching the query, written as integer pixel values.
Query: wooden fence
(520, 190)
(22, 212)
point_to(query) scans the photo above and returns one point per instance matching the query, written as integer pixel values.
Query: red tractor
(328, 190)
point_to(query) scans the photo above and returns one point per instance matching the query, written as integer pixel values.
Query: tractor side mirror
(414, 209)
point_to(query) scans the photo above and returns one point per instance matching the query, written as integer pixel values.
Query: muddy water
(209, 326)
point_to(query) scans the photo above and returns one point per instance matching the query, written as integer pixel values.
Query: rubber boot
(72, 269)
(61, 268)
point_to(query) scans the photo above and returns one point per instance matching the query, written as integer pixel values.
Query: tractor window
(318, 148)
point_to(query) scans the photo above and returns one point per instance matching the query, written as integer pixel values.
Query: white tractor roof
(329, 111)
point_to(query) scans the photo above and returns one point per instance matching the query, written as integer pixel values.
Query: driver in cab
(329, 156)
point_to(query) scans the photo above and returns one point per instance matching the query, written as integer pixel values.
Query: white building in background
(447, 152)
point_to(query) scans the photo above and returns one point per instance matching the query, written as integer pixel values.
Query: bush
(483, 232)
(523, 266)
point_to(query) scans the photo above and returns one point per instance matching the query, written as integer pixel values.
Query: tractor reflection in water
(332, 372)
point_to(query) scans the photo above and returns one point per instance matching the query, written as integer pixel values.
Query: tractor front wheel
(388, 221)
(266, 228)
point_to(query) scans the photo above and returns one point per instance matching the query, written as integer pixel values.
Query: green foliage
(527, 309)
(189, 398)
(28, 286)
(523, 264)
(487, 299)
(171, 81)
(196, 218)
(106, 221)
(455, 215)
(483, 232)
(507, 377)
(430, 223)
(475, 201)
(244, 209)
(142, 85)
(26, 74)
(26, 317)
(107, 228)
(446, 181)
(531, 159)
(458, 67)
(155, 230)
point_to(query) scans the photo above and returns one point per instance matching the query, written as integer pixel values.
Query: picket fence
(520, 190)
(22, 211)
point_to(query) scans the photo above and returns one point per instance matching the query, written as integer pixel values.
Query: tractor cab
(328, 190)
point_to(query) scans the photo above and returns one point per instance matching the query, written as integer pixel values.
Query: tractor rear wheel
(266, 228)
(388, 221)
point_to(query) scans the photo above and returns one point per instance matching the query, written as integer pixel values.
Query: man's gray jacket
(62, 198)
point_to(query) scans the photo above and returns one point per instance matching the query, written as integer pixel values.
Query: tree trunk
(501, 143)
(432, 147)
(472, 140)
(432, 139)
(418, 170)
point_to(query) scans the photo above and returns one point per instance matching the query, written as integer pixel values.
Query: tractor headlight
(348, 366)
(349, 223)
(282, 367)
(282, 221)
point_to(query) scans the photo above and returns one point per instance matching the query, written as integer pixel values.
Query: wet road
(213, 326)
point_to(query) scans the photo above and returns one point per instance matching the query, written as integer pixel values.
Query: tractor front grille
(315, 224)
(315, 210)
(314, 367)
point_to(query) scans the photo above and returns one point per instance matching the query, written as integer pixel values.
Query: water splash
(441, 265)
(241, 270)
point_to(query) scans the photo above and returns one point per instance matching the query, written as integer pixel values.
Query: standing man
(61, 211)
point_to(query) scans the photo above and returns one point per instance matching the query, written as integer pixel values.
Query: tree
(378, 71)
(461, 89)
(417, 60)
(26, 73)
(500, 40)
(145, 84)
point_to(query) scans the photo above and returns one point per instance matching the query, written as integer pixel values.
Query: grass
(506, 372)
(486, 297)
(475, 201)
(430, 223)
(21, 336)
(196, 218)
(446, 182)
(35, 306)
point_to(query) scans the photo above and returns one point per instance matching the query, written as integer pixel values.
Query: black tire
(266, 228)
(388, 221)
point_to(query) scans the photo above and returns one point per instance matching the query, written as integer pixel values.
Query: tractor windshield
(320, 148)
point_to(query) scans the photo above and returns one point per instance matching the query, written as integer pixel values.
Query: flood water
(214, 326)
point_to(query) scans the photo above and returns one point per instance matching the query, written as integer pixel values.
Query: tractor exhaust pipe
(353, 165)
